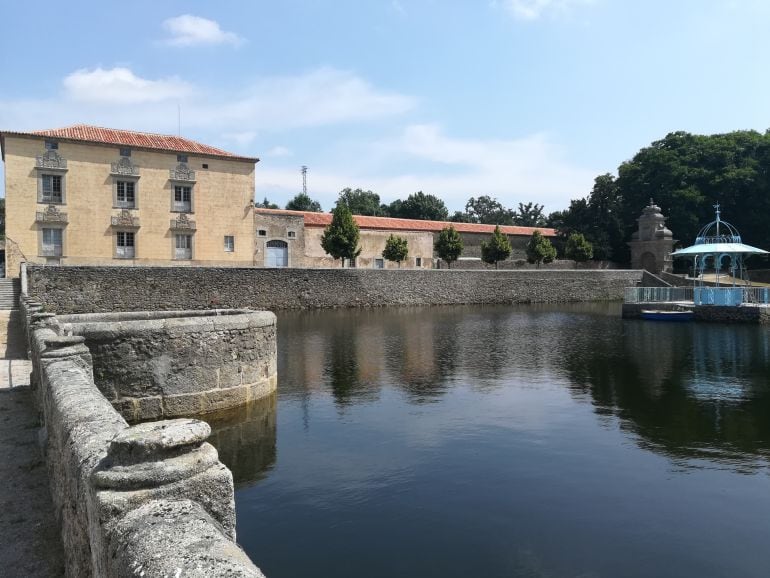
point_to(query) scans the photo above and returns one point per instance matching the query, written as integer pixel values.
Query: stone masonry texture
(105, 289)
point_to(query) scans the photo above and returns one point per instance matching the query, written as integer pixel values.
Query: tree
(539, 249)
(529, 215)
(303, 202)
(498, 248)
(266, 205)
(361, 202)
(396, 249)
(449, 245)
(340, 238)
(419, 206)
(578, 248)
(487, 210)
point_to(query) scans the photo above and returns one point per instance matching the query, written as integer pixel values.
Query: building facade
(652, 243)
(293, 239)
(86, 195)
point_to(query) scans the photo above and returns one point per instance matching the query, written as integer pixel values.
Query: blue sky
(524, 100)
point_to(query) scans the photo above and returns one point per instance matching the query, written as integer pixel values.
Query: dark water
(506, 441)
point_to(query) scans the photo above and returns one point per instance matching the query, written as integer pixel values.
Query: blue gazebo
(719, 246)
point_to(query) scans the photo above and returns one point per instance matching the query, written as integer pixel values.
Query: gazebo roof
(720, 248)
(718, 237)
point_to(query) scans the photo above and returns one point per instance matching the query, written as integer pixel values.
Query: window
(292, 234)
(379, 263)
(51, 189)
(205, 165)
(181, 158)
(350, 263)
(183, 247)
(51, 145)
(125, 152)
(124, 244)
(182, 198)
(262, 233)
(418, 262)
(125, 196)
(229, 243)
(52, 243)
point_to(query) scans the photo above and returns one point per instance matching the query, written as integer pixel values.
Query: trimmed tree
(340, 238)
(498, 248)
(578, 248)
(540, 250)
(396, 249)
(449, 245)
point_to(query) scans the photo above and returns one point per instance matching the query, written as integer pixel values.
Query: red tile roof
(390, 224)
(130, 138)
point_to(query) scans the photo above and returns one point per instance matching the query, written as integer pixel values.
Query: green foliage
(396, 249)
(498, 248)
(539, 249)
(488, 210)
(266, 205)
(419, 206)
(340, 238)
(529, 215)
(449, 245)
(303, 202)
(362, 202)
(578, 248)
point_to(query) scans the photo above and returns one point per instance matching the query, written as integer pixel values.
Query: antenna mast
(304, 180)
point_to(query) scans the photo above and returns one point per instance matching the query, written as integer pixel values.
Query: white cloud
(279, 151)
(120, 86)
(535, 9)
(242, 139)
(532, 168)
(320, 97)
(189, 30)
(398, 7)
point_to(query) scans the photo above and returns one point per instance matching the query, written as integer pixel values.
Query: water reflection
(688, 390)
(245, 438)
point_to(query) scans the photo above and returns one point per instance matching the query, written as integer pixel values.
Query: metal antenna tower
(304, 180)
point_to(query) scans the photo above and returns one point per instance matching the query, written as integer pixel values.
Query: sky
(522, 100)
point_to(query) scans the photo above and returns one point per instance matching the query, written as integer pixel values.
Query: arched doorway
(649, 262)
(277, 254)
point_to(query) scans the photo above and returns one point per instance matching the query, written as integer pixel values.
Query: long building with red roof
(293, 239)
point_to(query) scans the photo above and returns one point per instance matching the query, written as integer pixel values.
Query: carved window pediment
(182, 223)
(51, 160)
(125, 167)
(125, 219)
(51, 215)
(182, 172)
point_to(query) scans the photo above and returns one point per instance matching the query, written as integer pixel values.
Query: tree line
(341, 237)
(482, 209)
(685, 174)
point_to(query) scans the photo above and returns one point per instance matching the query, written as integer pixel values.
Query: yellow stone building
(85, 195)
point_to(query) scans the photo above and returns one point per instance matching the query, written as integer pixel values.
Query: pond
(506, 441)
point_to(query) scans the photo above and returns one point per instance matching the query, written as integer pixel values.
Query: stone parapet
(145, 500)
(170, 364)
(106, 289)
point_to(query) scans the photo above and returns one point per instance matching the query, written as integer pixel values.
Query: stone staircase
(9, 293)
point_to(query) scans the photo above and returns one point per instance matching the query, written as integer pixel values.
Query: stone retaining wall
(148, 500)
(151, 365)
(106, 289)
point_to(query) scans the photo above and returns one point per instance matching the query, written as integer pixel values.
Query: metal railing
(725, 296)
(657, 294)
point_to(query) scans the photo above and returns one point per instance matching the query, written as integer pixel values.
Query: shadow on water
(245, 438)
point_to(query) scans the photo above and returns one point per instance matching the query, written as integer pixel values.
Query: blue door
(277, 254)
